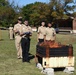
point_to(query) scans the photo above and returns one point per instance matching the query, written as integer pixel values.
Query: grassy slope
(10, 65)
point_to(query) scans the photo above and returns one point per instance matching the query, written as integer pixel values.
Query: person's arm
(16, 31)
(54, 34)
(31, 31)
(37, 37)
(38, 33)
(26, 33)
(45, 35)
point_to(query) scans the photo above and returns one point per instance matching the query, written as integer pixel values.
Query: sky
(22, 3)
(25, 2)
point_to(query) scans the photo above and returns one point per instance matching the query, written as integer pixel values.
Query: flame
(50, 44)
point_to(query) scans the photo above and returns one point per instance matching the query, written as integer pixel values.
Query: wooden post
(74, 25)
(70, 50)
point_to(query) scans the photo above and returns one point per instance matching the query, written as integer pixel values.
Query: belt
(25, 37)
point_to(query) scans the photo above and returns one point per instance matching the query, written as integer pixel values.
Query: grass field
(10, 65)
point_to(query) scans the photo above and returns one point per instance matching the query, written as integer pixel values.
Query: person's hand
(30, 34)
(16, 31)
(21, 34)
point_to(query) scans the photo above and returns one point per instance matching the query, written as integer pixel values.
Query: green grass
(10, 65)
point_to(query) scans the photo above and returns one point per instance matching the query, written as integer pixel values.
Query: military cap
(20, 18)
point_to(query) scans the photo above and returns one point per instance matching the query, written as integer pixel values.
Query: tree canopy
(55, 9)
(36, 12)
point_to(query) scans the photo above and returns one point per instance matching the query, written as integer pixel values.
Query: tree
(36, 12)
(7, 13)
(55, 9)
(60, 8)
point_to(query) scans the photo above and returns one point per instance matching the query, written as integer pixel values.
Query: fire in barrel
(53, 54)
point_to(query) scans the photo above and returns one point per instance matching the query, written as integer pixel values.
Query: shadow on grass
(31, 56)
(1, 39)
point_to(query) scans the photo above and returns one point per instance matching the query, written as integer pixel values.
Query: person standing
(41, 32)
(50, 33)
(11, 33)
(17, 31)
(25, 41)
